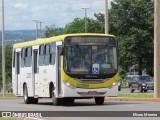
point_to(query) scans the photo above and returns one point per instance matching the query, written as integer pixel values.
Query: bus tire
(27, 100)
(68, 101)
(35, 100)
(56, 101)
(99, 100)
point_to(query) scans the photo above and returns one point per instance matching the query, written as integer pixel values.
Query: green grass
(136, 95)
(10, 118)
(8, 95)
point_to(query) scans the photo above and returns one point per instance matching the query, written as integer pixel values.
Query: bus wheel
(35, 100)
(56, 101)
(27, 99)
(68, 101)
(99, 100)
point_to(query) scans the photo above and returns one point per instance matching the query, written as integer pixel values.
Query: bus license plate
(92, 92)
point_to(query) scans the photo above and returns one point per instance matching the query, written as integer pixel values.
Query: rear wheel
(27, 100)
(99, 100)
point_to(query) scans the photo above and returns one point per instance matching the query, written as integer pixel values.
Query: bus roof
(55, 38)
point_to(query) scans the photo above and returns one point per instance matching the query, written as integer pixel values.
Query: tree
(53, 31)
(132, 22)
(93, 25)
(8, 61)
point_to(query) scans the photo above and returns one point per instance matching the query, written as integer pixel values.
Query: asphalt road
(82, 105)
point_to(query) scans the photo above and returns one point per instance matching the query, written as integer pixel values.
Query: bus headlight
(69, 85)
(112, 85)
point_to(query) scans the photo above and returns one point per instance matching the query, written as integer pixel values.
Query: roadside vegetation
(10, 118)
(8, 95)
(136, 95)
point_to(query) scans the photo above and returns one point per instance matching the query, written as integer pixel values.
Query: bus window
(47, 54)
(41, 55)
(52, 53)
(28, 59)
(22, 57)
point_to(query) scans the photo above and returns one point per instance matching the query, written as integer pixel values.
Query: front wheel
(99, 100)
(56, 101)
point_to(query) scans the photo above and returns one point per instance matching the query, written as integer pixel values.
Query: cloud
(19, 14)
(20, 5)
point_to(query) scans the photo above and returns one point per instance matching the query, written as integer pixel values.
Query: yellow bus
(65, 68)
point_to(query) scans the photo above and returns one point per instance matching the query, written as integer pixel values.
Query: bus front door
(58, 82)
(35, 73)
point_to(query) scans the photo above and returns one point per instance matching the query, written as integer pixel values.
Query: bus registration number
(80, 85)
(92, 92)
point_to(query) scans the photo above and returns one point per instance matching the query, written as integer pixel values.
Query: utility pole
(106, 16)
(3, 53)
(36, 21)
(40, 22)
(85, 9)
(156, 48)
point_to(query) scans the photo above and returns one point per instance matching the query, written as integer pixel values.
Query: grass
(8, 95)
(136, 95)
(10, 118)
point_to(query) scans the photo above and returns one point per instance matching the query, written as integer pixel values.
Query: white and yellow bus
(65, 68)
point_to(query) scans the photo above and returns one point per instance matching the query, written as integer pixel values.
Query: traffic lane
(127, 91)
(79, 105)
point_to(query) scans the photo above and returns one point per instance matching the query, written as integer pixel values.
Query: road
(81, 105)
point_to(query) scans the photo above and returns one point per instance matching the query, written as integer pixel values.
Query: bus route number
(80, 85)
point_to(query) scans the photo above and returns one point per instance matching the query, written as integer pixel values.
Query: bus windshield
(90, 59)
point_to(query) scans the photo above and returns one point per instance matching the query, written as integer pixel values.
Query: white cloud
(20, 5)
(19, 14)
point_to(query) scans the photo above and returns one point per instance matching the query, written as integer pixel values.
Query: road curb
(132, 99)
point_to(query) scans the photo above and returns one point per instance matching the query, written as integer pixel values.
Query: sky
(19, 14)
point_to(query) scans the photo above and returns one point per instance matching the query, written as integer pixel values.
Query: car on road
(141, 83)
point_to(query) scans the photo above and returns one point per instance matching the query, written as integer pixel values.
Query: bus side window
(52, 53)
(22, 57)
(28, 57)
(41, 55)
(47, 54)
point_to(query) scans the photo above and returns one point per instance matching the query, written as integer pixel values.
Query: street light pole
(3, 52)
(106, 16)
(85, 9)
(36, 27)
(156, 48)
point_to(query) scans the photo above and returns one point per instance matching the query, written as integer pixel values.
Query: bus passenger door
(58, 81)
(35, 72)
(17, 71)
